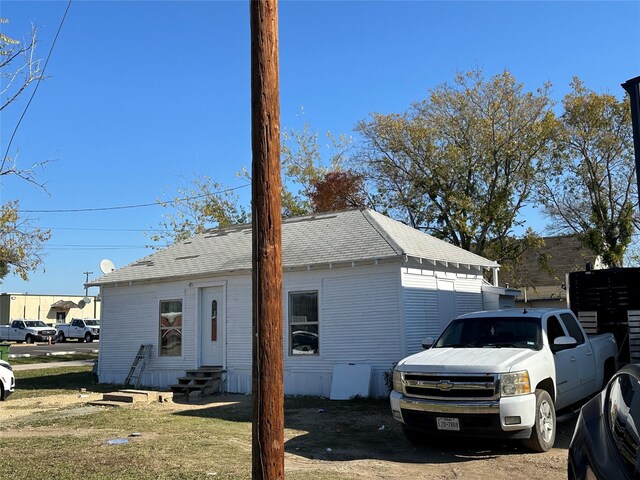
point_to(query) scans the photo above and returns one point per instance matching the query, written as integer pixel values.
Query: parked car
(501, 373)
(82, 329)
(7, 380)
(605, 440)
(28, 331)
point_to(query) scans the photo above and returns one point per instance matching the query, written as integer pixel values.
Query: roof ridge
(366, 213)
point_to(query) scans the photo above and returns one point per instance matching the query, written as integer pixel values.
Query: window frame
(291, 325)
(161, 328)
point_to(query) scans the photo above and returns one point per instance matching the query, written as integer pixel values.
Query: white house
(358, 287)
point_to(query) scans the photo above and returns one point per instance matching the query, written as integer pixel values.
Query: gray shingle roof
(335, 237)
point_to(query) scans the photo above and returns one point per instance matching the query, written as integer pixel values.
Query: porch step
(110, 403)
(127, 398)
(199, 382)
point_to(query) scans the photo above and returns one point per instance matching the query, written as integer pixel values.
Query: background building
(50, 309)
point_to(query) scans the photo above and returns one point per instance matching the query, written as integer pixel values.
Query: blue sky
(143, 96)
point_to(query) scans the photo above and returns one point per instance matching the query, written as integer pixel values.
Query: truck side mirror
(563, 343)
(428, 342)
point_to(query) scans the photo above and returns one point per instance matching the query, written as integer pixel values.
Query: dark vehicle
(605, 441)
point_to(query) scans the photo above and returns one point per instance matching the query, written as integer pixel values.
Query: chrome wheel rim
(545, 421)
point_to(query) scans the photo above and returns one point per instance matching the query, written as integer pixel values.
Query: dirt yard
(323, 439)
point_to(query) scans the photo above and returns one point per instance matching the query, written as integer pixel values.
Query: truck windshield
(496, 332)
(92, 323)
(35, 323)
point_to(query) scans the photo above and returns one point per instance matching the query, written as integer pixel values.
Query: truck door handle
(573, 359)
(589, 353)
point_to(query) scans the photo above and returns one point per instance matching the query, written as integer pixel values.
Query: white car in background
(7, 380)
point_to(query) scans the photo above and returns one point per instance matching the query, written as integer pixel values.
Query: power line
(140, 205)
(55, 39)
(84, 229)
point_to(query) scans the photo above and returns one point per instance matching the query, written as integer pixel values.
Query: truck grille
(443, 386)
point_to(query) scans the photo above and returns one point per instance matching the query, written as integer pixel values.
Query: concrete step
(126, 397)
(107, 403)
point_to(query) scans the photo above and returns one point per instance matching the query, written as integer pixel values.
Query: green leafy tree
(205, 203)
(21, 243)
(461, 164)
(589, 187)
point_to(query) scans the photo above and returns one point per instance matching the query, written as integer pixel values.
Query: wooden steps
(199, 382)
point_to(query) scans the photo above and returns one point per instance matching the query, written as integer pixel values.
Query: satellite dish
(81, 304)
(86, 300)
(107, 266)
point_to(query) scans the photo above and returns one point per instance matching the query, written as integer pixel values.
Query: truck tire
(28, 339)
(1, 391)
(88, 337)
(61, 338)
(543, 433)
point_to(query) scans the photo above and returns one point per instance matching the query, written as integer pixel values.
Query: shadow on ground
(322, 429)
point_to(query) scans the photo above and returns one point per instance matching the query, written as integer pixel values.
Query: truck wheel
(61, 337)
(414, 436)
(88, 338)
(28, 339)
(543, 434)
(1, 391)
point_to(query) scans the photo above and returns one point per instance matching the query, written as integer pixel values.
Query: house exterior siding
(432, 298)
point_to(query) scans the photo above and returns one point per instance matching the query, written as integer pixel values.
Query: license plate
(447, 423)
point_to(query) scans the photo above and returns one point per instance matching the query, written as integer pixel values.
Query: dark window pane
(572, 326)
(554, 329)
(303, 307)
(303, 323)
(214, 321)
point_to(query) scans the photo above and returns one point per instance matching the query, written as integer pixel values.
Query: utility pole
(86, 289)
(268, 388)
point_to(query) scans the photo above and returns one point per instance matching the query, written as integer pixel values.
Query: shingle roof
(335, 237)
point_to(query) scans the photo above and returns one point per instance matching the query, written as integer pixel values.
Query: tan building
(50, 309)
(541, 274)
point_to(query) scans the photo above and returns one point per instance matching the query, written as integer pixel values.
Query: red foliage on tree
(337, 190)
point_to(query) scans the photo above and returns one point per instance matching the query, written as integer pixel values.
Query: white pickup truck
(501, 373)
(28, 331)
(84, 330)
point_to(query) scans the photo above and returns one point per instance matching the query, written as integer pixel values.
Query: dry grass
(56, 435)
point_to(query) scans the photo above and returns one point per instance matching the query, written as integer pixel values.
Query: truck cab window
(572, 327)
(554, 329)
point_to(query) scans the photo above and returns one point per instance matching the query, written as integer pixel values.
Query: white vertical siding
(432, 298)
(421, 313)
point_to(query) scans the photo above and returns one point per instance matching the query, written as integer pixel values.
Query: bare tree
(20, 242)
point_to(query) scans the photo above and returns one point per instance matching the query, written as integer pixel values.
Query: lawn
(177, 441)
(53, 358)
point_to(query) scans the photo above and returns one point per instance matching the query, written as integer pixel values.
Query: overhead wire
(40, 77)
(140, 205)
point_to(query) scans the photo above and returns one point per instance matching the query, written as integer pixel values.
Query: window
(171, 328)
(303, 323)
(554, 329)
(572, 327)
(214, 321)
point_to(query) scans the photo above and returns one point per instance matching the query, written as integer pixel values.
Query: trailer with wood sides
(608, 301)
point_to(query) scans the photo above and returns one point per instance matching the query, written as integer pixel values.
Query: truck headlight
(397, 381)
(516, 383)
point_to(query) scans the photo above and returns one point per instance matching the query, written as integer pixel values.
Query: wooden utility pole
(268, 389)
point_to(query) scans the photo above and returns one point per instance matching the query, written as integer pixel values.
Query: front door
(211, 328)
